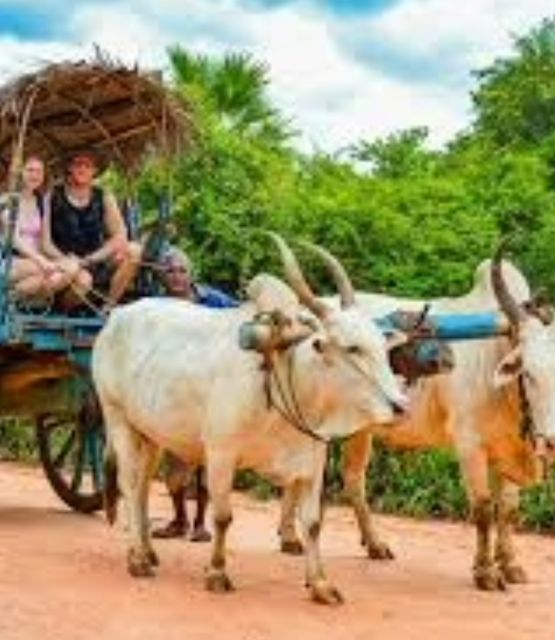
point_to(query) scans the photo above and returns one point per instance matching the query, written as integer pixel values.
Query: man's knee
(129, 256)
(134, 251)
(84, 280)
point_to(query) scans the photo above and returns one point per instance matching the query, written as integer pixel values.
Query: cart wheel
(70, 449)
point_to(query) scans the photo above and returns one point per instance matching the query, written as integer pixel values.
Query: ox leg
(176, 477)
(357, 452)
(136, 458)
(310, 514)
(289, 540)
(487, 575)
(200, 533)
(220, 483)
(508, 498)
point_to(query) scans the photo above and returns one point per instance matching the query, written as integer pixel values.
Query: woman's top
(29, 219)
(29, 227)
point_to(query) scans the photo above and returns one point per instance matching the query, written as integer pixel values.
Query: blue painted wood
(70, 336)
(459, 326)
(471, 326)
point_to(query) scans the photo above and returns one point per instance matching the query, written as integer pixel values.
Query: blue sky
(339, 7)
(341, 69)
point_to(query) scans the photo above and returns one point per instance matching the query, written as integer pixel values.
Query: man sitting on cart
(85, 221)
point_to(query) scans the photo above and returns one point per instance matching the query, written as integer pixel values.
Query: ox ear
(508, 369)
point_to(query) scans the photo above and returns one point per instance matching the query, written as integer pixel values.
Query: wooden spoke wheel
(71, 452)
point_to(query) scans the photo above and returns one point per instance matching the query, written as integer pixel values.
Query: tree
(515, 98)
(229, 92)
(399, 155)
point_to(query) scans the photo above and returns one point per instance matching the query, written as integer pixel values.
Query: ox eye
(354, 350)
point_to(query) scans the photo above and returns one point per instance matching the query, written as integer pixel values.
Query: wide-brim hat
(100, 160)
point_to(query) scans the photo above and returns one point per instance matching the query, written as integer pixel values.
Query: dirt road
(62, 577)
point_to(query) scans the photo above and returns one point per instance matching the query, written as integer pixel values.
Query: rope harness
(290, 409)
(280, 393)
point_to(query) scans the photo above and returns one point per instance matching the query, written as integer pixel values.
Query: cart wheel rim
(71, 455)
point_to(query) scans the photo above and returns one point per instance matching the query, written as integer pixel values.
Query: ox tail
(111, 490)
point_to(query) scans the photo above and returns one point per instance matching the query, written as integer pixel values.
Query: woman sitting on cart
(84, 221)
(33, 275)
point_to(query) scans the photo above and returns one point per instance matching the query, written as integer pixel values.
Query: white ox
(171, 375)
(476, 410)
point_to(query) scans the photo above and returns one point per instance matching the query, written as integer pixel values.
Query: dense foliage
(404, 219)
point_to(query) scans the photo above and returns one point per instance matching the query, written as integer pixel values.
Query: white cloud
(330, 74)
(17, 56)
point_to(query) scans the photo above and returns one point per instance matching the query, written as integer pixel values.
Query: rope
(99, 311)
(290, 410)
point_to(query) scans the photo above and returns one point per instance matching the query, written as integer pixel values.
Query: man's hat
(99, 160)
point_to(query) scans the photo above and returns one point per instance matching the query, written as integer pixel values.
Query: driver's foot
(174, 529)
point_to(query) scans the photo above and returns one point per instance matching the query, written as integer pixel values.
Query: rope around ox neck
(290, 409)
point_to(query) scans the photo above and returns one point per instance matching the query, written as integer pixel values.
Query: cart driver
(85, 221)
(177, 274)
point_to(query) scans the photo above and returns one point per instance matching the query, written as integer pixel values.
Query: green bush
(538, 507)
(17, 440)
(417, 484)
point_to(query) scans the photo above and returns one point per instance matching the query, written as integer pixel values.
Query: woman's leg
(26, 278)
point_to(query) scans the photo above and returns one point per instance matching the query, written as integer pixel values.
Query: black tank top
(78, 230)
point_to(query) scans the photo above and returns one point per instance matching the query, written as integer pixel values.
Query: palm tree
(232, 89)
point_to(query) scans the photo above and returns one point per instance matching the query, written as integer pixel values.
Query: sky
(341, 70)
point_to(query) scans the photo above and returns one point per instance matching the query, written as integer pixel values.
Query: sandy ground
(62, 577)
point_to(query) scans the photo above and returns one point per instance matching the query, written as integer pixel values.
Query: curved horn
(338, 272)
(296, 279)
(505, 300)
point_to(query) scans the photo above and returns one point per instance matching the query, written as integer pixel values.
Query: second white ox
(477, 410)
(171, 375)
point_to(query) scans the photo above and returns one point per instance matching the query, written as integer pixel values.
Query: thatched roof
(120, 111)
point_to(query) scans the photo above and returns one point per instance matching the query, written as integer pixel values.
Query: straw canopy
(102, 105)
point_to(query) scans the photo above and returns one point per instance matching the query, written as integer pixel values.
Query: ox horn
(505, 299)
(338, 272)
(296, 279)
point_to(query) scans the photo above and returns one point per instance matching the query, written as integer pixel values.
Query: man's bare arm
(117, 232)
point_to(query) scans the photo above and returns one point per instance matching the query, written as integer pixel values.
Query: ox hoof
(218, 582)
(379, 551)
(292, 547)
(139, 564)
(324, 592)
(173, 529)
(514, 574)
(200, 534)
(489, 578)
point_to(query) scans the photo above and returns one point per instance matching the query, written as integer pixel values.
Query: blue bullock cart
(127, 117)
